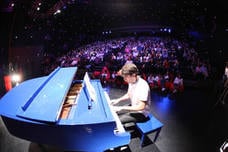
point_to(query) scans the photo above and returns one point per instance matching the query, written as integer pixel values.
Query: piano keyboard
(119, 125)
(70, 100)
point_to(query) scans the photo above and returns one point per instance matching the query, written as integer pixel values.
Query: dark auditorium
(113, 76)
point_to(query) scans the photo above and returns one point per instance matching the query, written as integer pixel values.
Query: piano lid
(47, 100)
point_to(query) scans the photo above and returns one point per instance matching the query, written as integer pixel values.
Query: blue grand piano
(59, 110)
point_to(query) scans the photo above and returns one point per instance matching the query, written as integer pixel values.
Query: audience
(160, 59)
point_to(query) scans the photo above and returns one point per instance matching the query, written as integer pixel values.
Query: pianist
(138, 93)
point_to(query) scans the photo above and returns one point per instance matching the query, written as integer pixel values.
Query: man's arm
(124, 97)
(140, 106)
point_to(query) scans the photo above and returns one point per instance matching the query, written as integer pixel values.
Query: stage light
(57, 12)
(16, 78)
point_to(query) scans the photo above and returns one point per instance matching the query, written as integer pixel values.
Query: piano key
(119, 125)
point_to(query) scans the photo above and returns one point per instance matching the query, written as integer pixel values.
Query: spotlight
(57, 12)
(16, 78)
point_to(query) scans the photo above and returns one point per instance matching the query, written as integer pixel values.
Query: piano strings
(70, 100)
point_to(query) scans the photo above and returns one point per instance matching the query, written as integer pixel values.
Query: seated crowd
(160, 60)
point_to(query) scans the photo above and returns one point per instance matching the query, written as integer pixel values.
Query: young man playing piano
(138, 93)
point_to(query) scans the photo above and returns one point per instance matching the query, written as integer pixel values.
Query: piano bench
(150, 126)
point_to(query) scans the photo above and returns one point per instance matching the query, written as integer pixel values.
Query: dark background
(205, 23)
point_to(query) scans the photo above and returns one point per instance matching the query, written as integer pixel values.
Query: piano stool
(150, 126)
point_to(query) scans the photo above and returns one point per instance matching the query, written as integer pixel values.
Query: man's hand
(114, 101)
(117, 108)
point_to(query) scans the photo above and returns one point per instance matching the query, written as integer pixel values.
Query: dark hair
(129, 69)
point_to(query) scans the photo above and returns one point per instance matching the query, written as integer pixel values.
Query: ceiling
(56, 19)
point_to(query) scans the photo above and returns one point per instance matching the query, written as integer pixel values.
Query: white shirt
(140, 91)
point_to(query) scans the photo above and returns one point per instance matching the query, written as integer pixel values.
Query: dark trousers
(127, 117)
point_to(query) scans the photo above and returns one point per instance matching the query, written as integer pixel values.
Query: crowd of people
(163, 61)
